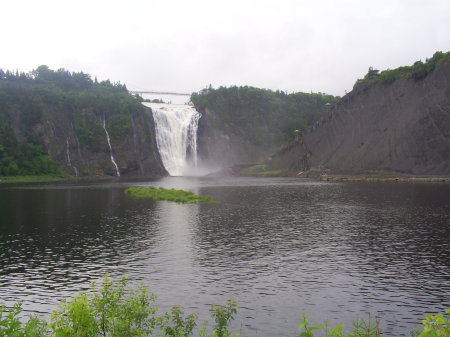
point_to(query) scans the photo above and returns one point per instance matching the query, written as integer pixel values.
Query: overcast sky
(181, 45)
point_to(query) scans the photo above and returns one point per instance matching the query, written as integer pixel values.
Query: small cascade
(176, 136)
(110, 148)
(69, 162)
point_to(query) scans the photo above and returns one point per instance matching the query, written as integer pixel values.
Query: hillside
(246, 124)
(398, 125)
(53, 121)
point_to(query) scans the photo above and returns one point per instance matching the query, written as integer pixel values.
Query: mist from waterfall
(176, 136)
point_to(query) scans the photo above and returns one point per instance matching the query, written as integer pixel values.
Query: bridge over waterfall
(168, 93)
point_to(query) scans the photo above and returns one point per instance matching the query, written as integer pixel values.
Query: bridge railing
(159, 93)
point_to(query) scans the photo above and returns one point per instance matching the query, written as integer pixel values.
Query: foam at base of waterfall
(176, 137)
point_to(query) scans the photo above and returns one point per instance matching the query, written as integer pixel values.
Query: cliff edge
(401, 127)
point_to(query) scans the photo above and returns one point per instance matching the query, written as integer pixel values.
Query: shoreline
(262, 170)
(7, 180)
(383, 178)
(18, 180)
(317, 175)
(356, 177)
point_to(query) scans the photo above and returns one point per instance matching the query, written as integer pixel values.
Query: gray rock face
(136, 154)
(399, 127)
(224, 145)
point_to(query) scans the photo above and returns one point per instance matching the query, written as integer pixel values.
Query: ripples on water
(279, 247)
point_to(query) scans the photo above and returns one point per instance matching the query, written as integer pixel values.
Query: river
(280, 247)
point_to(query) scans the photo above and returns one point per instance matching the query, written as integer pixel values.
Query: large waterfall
(176, 137)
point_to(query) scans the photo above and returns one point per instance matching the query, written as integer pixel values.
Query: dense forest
(27, 98)
(265, 117)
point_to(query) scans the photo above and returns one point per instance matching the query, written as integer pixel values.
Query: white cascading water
(68, 158)
(110, 148)
(176, 136)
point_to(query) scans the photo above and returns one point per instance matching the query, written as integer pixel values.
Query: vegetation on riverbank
(116, 310)
(261, 170)
(179, 196)
(34, 179)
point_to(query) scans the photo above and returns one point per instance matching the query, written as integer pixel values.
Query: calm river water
(279, 247)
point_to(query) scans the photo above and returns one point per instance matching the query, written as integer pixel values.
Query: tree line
(264, 116)
(418, 71)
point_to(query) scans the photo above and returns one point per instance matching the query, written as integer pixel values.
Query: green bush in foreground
(180, 196)
(116, 310)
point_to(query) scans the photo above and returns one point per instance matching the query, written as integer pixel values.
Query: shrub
(11, 326)
(434, 326)
(116, 310)
(112, 310)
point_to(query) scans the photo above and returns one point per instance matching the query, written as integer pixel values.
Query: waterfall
(69, 162)
(110, 148)
(176, 136)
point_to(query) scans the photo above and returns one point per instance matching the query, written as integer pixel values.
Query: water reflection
(278, 246)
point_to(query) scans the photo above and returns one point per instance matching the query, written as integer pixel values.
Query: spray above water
(176, 136)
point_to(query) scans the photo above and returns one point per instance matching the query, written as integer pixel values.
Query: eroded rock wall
(399, 127)
(226, 145)
(135, 153)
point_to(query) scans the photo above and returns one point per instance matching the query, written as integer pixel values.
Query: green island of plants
(179, 196)
(116, 310)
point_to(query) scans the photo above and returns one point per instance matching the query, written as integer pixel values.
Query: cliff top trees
(266, 117)
(418, 71)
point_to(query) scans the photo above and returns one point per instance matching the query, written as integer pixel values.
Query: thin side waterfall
(69, 162)
(110, 148)
(176, 136)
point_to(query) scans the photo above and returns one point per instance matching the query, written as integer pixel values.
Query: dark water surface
(279, 247)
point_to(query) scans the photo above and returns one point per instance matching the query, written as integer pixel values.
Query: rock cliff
(58, 120)
(222, 145)
(242, 125)
(135, 153)
(402, 127)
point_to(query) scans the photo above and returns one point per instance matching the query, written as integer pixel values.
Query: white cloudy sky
(293, 45)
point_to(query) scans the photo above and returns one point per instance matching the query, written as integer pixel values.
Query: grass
(179, 196)
(261, 169)
(32, 179)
